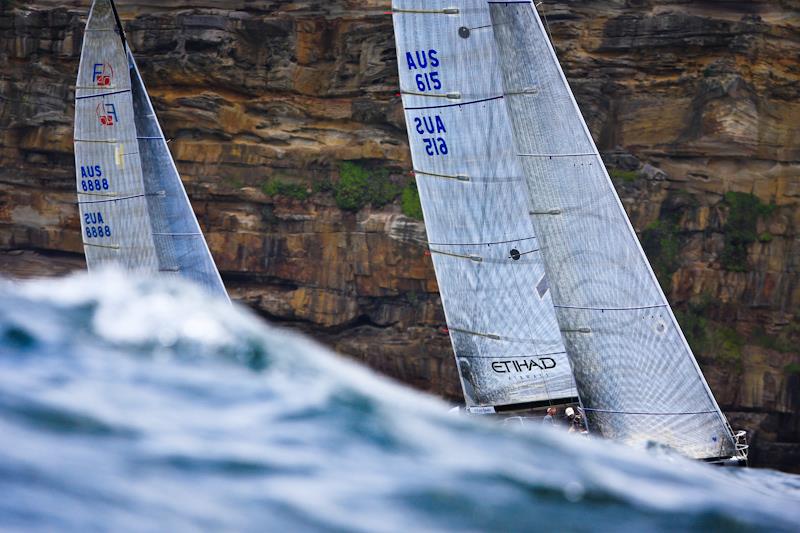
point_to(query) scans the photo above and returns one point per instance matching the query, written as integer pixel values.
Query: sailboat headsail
(179, 242)
(637, 376)
(134, 209)
(486, 255)
(112, 201)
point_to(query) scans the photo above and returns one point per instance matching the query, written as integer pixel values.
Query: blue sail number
(96, 227)
(431, 131)
(92, 179)
(425, 60)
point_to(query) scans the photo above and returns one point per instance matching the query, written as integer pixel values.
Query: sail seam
(609, 308)
(95, 87)
(686, 413)
(445, 11)
(102, 95)
(449, 96)
(112, 199)
(481, 243)
(557, 155)
(116, 198)
(177, 234)
(456, 105)
(481, 259)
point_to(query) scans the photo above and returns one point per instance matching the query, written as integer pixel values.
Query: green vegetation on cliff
(358, 187)
(628, 176)
(744, 210)
(711, 340)
(661, 243)
(662, 239)
(778, 342)
(289, 190)
(410, 203)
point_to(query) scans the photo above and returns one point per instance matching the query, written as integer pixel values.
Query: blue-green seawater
(142, 405)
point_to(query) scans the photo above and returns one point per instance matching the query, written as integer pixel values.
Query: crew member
(550, 418)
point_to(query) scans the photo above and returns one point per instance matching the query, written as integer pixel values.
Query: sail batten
(637, 377)
(505, 337)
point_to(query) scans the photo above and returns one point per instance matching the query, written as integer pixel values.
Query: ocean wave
(144, 405)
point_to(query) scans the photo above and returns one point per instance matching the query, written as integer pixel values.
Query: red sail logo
(107, 114)
(103, 74)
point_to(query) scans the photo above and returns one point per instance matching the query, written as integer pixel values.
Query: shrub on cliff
(744, 210)
(628, 176)
(358, 187)
(661, 243)
(410, 203)
(711, 340)
(282, 188)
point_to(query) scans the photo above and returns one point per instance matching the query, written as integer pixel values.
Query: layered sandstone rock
(687, 100)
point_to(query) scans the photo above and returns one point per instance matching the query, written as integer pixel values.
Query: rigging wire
(546, 24)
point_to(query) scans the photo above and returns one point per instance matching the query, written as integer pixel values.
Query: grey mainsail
(134, 209)
(637, 377)
(491, 278)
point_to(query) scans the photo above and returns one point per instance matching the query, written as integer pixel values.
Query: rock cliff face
(694, 104)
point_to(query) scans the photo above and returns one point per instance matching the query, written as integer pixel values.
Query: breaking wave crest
(143, 405)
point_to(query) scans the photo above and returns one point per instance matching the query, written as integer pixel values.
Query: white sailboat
(504, 162)
(134, 210)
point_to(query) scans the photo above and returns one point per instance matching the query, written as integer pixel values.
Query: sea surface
(142, 405)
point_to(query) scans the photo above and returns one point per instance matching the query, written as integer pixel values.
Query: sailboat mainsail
(637, 377)
(134, 209)
(486, 255)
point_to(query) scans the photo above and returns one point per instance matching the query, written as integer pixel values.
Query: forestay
(475, 203)
(134, 209)
(636, 375)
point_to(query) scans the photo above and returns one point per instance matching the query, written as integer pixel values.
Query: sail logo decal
(107, 114)
(103, 74)
(425, 60)
(96, 226)
(542, 287)
(92, 179)
(523, 365)
(431, 130)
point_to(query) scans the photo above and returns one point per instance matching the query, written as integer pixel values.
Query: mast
(134, 210)
(638, 379)
(486, 255)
